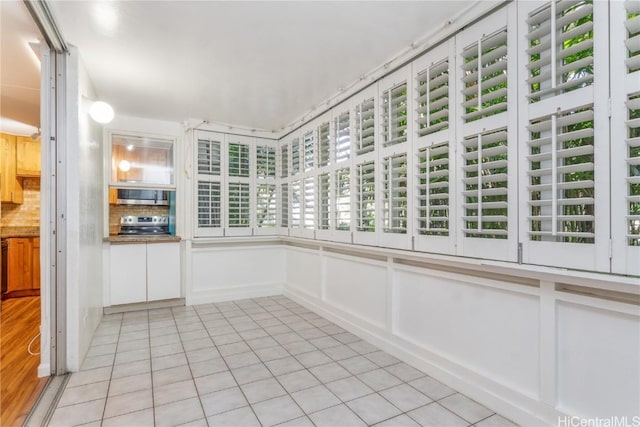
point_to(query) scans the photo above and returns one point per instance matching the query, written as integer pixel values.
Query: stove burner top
(144, 225)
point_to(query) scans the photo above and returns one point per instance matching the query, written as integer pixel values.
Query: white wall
(224, 271)
(510, 339)
(84, 210)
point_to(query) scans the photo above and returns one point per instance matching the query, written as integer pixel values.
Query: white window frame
(563, 254)
(389, 239)
(209, 231)
(625, 258)
(488, 248)
(433, 243)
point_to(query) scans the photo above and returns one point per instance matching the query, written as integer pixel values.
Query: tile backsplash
(27, 213)
(117, 211)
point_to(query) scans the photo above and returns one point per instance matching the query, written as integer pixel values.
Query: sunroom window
(433, 190)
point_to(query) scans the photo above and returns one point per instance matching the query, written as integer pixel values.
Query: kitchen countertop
(19, 232)
(142, 239)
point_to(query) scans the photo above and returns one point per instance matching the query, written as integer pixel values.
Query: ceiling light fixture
(101, 112)
(124, 165)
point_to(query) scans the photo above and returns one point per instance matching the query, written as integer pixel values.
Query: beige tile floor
(264, 361)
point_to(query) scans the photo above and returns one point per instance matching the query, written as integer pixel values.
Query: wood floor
(19, 382)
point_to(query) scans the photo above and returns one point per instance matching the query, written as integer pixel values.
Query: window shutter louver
(343, 199)
(265, 205)
(485, 77)
(265, 162)
(485, 183)
(208, 157)
(295, 156)
(209, 208)
(238, 204)
(309, 203)
(238, 160)
(433, 190)
(366, 197)
(562, 177)
(308, 151)
(632, 42)
(365, 126)
(284, 206)
(633, 170)
(561, 48)
(284, 161)
(432, 88)
(323, 201)
(324, 142)
(296, 213)
(395, 194)
(343, 137)
(394, 115)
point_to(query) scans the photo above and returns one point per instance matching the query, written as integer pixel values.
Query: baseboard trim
(230, 293)
(150, 305)
(512, 404)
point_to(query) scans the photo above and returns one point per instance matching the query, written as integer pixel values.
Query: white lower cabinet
(144, 272)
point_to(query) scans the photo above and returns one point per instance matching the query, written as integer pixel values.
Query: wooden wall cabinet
(27, 156)
(21, 261)
(113, 196)
(10, 183)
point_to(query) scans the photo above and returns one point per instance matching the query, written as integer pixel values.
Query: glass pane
(138, 159)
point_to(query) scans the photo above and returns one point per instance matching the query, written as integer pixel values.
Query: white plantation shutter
(208, 189)
(625, 136)
(238, 204)
(433, 190)
(632, 42)
(366, 197)
(265, 161)
(342, 126)
(394, 115)
(565, 128)
(209, 157)
(561, 186)
(295, 156)
(365, 126)
(633, 171)
(561, 48)
(323, 201)
(296, 205)
(238, 159)
(343, 199)
(307, 143)
(284, 161)
(324, 142)
(265, 205)
(209, 205)
(394, 202)
(309, 203)
(485, 185)
(432, 99)
(284, 205)
(484, 81)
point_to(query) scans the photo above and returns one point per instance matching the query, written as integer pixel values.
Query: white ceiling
(254, 64)
(19, 69)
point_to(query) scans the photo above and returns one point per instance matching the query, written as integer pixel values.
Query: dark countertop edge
(141, 239)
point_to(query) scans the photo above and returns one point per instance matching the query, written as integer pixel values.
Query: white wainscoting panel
(489, 330)
(359, 288)
(598, 361)
(303, 271)
(222, 273)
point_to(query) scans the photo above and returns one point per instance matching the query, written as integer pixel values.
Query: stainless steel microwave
(143, 197)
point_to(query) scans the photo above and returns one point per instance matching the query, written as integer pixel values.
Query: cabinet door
(35, 263)
(163, 271)
(128, 273)
(10, 185)
(27, 156)
(19, 264)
